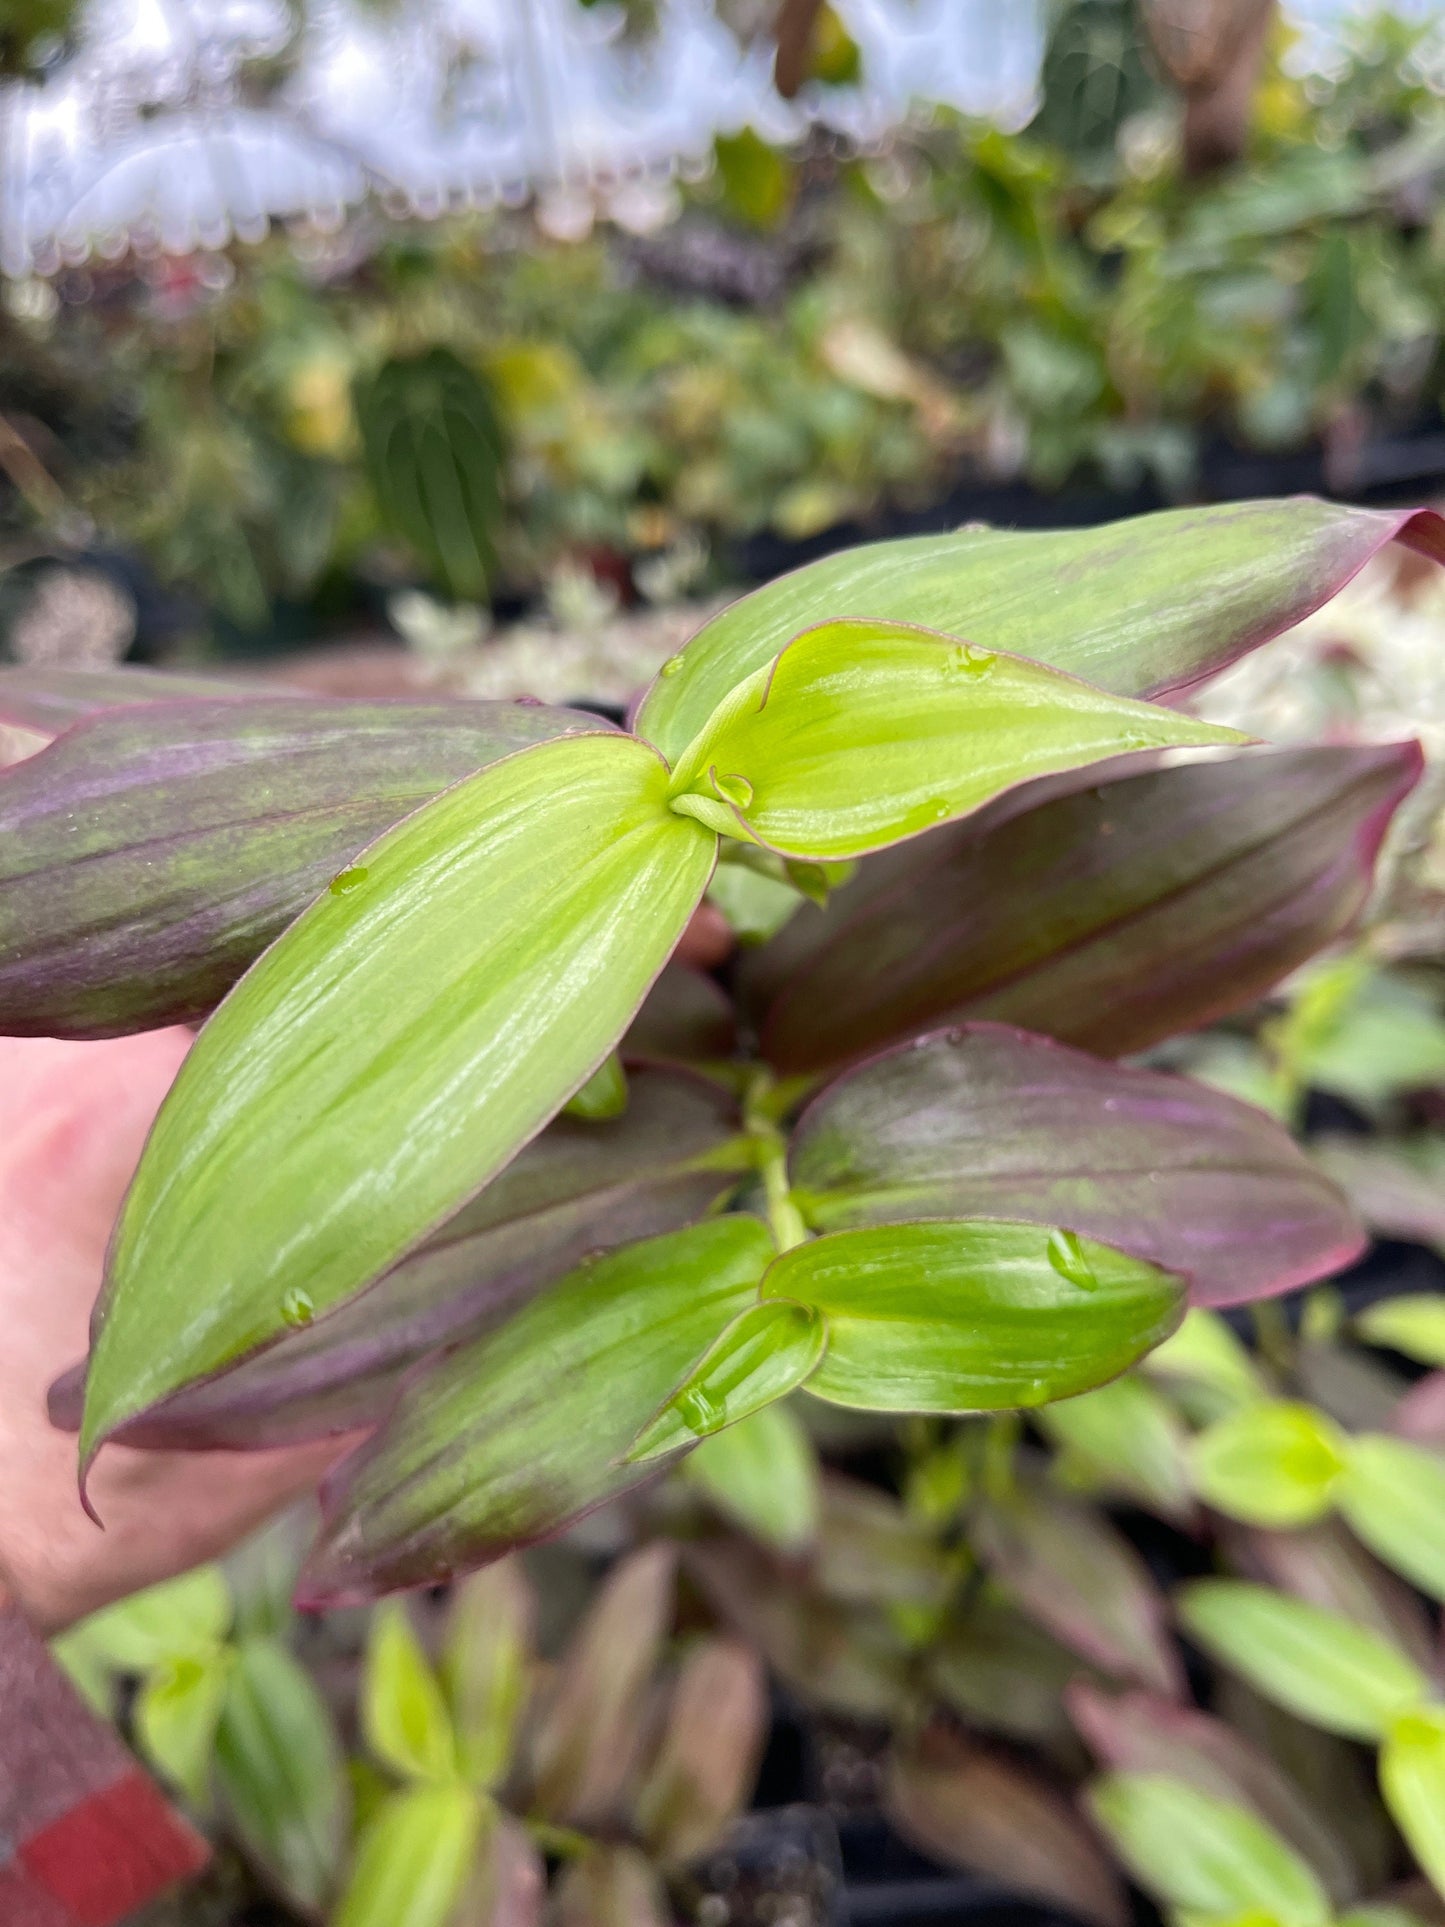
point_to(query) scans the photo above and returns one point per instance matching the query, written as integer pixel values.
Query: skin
(73, 1120)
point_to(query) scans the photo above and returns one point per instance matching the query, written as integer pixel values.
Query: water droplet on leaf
(297, 1307)
(671, 666)
(971, 661)
(699, 1411)
(939, 809)
(1066, 1255)
(349, 880)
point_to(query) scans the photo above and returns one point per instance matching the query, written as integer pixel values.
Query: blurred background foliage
(818, 336)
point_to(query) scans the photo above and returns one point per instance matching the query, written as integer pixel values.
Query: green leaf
(756, 905)
(604, 1095)
(150, 855)
(766, 1352)
(176, 1714)
(864, 733)
(1203, 1855)
(576, 1189)
(1140, 607)
(485, 1667)
(414, 1859)
(181, 1618)
(490, 958)
(1136, 1732)
(403, 1714)
(1272, 1463)
(1314, 1663)
(1412, 1779)
(1127, 1438)
(763, 1474)
(279, 1771)
(1204, 1351)
(509, 1438)
(972, 1316)
(1413, 1324)
(1392, 1495)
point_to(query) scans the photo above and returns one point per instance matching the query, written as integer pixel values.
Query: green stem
(770, 1144)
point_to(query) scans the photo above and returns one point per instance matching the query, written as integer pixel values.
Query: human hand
(73, 1118)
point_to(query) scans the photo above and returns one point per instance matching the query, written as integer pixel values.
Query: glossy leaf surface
(765, 1352)
(863, 734)
(1203, 1855)
(1392, 1494)
(280, 1773)
(508, 1439)
(1315, 1664)
(492, 955)
(991, 1121)
(150, 855)
(972, 1316)
(1273, 1463)
(576, 1189)
(1109, 917)
(1145, 605)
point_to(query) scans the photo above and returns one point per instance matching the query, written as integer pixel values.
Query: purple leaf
(578, 1188)
(48, 700)
(1070, 1570)
(843, 1658)
(1109, 917)
(150, 854)
(972, 1807)
(686, 1019)
(988, 1121)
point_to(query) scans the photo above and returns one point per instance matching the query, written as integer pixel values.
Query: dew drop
(1036, 1392)
(671, 666)
(297, 1308)
(972, 662)
(939, 809)
(699, 1411)
(1066, 1255)
(736, 790)
(349, 880)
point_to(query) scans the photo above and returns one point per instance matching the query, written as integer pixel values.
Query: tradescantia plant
(403, 1174)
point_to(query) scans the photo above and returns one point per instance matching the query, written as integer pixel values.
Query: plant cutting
(455, 1153)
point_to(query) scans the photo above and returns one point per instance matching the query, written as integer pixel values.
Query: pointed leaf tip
(504, 937)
